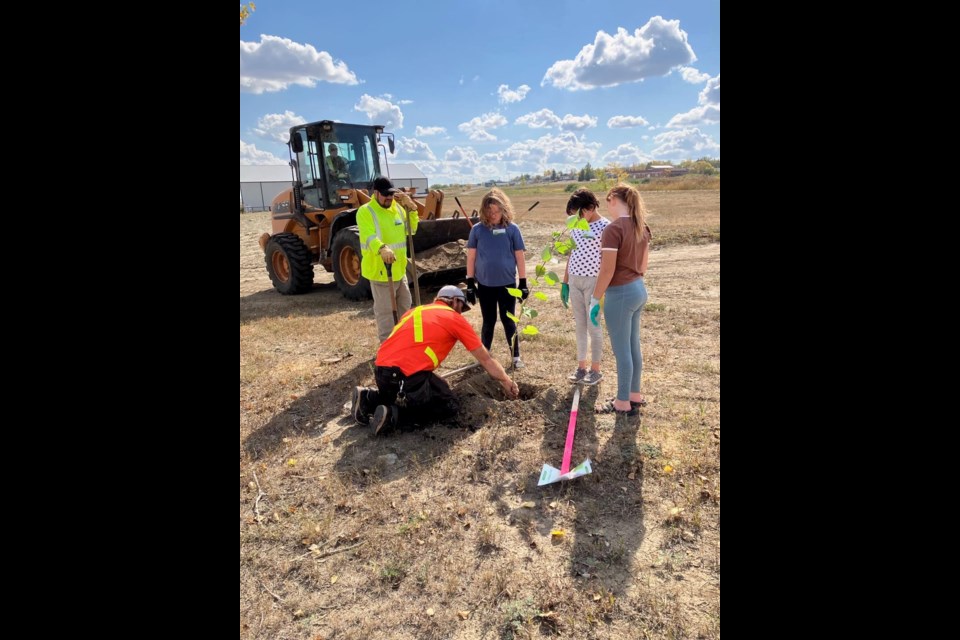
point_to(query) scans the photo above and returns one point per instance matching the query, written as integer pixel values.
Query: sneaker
(592, 378)
(518, 363)
(577, 376)
(356, 405)
(382, 417)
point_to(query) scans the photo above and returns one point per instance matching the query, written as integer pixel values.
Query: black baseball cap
(384, 186)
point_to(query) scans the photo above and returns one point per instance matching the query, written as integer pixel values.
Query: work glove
(594, 310)
(471, 291)
(405, 201)
(523, 289)
(386, 253)
(565, 295)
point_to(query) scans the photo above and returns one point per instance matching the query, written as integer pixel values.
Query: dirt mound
(450, 255)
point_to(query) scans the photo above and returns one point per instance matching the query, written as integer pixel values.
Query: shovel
(469, 221)
(413, 261)
(393, 294)
(460, 370)
(548, 474)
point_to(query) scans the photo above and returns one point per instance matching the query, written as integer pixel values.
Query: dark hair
(582, 199)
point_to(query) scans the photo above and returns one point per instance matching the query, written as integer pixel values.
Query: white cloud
(461, 80)
(276, 126)
(547, 119)
(507, 96)
(249, 154)
(693, 76)
(687, 143)
(625, 122)
(708, 114)
(413, 149)
(571, 122)
(625, 155)
(711, 92)
(477, 127)
(653, 50)
(380, 111)
(275, 63)
(644, 137)
(466, 165)
(429, 131)
(549, 152)
(543, 119)
(461, 154)
(404, 101)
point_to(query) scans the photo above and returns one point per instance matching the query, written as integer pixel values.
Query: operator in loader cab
(383, 243)
(336, 166)
(408, 391)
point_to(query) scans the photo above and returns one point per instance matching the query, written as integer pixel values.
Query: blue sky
(476, 90)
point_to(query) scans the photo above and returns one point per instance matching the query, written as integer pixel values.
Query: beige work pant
(383, 309)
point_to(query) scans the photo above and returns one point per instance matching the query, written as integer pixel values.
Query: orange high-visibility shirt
(424, 337)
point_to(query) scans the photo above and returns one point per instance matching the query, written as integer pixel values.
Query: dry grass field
(443, 533)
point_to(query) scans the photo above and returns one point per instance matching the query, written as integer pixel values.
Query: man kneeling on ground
(408, 392)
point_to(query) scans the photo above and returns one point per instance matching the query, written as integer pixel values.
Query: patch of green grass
(654, 307)
(650, 451)
(412, 524)
(517, 614)
(393, 572)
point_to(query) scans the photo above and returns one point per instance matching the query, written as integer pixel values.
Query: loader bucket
(441, 254)
(431, 233)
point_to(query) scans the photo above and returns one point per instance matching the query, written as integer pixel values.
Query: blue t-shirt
(496, 264)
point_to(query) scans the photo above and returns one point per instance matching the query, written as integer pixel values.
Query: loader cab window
(367, 166)
(303, 159)
(336, 161)
(336, 165)
(308, 163)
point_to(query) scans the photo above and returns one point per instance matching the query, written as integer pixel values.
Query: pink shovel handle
(571, 428)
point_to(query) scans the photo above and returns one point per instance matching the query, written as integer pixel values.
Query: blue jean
(621, 311)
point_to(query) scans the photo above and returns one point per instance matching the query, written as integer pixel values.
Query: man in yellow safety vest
(383, 243)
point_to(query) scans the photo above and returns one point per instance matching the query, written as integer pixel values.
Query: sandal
(608, 407)
(633, 404)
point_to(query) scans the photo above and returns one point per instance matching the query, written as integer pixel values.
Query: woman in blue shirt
(494, 262)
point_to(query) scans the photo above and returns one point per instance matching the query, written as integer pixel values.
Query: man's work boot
(357, 400)
(383, 417)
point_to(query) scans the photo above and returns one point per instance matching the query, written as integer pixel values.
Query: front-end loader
(315, 221)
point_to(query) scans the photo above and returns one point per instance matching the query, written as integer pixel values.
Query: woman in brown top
(625, 249)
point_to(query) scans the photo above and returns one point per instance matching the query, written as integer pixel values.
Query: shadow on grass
(320, 407)
(321, 300)
(608, 526)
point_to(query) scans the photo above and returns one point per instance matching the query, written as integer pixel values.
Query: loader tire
(288, 263)
(346, 265)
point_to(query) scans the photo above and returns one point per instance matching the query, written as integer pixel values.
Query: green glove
(594, 310)
(565, 295)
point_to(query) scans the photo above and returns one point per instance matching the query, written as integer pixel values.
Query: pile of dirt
(450, 255)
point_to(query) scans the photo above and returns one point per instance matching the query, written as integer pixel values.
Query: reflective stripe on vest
(396, 246)
(417, 316)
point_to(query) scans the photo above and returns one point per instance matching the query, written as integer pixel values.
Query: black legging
(489, 298)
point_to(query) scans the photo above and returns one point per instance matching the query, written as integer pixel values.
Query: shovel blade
(549, 475)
